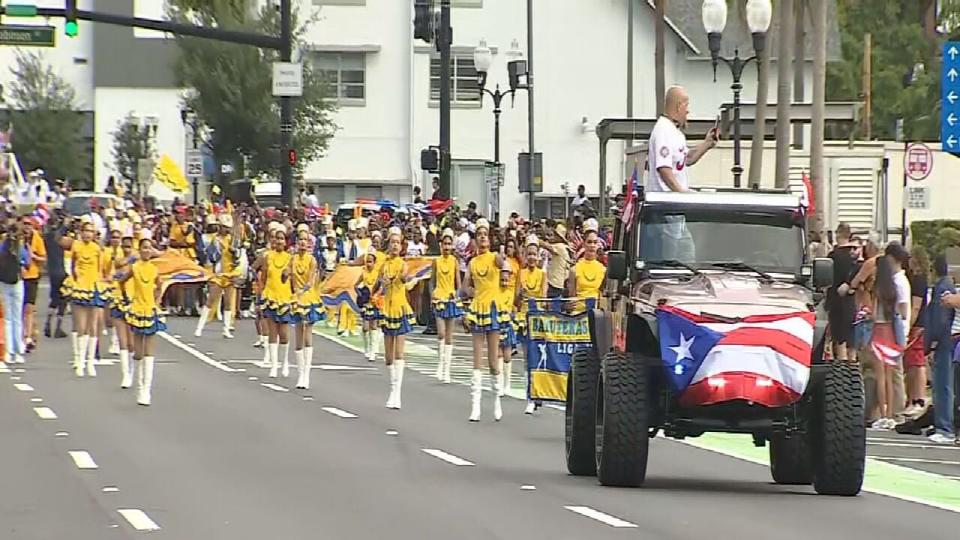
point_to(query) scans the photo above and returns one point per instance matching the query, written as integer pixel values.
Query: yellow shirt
(514, 275)
(444, 274)
(86, 258)
(227, 264)
(143, 288)
(32, 271)
(531, 285)
(304, 269)
(370, 277)
(276, 289)
(486, 282)
(395, 289)
(178, 234)
(589, 278)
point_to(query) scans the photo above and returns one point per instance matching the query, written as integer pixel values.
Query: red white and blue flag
(764, 359)
(632, 196)
(883, 343)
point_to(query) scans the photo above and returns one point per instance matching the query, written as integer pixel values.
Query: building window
(344, 74)
(319, 3)
(463, 76)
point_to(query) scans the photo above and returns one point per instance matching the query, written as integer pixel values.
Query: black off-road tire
(622, 432)
(581, 413)
(840, 436)
(790, 459)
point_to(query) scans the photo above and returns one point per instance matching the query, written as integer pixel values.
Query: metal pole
(530, 115)
(903, 210)
(443, 44)
(736, 86)
(286, 107)
(496, 150)
(630, 26)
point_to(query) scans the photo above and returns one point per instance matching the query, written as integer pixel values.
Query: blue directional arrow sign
(950, 98)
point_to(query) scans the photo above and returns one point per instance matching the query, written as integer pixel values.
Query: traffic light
(292, 157)
(423, 20)
(430, 159)
(70, 26)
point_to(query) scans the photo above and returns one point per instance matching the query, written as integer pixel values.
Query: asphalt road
(220, 455)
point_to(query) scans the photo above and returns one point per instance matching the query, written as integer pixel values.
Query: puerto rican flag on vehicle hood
(764, 359)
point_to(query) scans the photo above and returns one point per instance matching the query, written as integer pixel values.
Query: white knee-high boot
(285, 354)
(298, 356)
(146, 366)
(497, 392)
(80, 355)
(448, 353)
(127, 374)
(204, 316)
(228, 324)
(476, 392)
(307, 366)
(367, 344)
(377, 343)
(114, 342)
(92, 356)
(441, 359)
(398, 365)
(266, 351)
(273, 350)
(74, 341)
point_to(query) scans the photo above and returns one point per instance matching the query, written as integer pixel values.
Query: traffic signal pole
(286, 107)
(444, 42)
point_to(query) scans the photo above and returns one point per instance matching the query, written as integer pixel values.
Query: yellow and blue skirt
(488, 320)
(79, 296)
(509, 333)
(448, 309)
(397, 321)
(143, 322)
(370, 306)
(276, 311)
(308, 308)
(119, 306)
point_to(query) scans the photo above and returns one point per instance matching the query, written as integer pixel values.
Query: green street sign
(19, 35)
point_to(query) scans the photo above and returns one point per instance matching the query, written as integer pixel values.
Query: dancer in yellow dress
(277, 298)
(223, 255)
(370, 304)
(398, 318)
(447, 306)
(112, 254)
(119, 305)
(509, 279)
(143, 316)
(87, 299)
(587, 276)
(532, 285)
(308, 308)
(486, 318)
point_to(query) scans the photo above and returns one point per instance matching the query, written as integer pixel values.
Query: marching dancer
(510, 275)
(329, 257)
(486, 318)
(308, 306)
(119, 306)
(143, 316)
(370, 305)
(277, 298)
(223, 254)
(447, 305)
(587, 276)
(533, 284)
(86, 257)
(112, 259)
(398, 318)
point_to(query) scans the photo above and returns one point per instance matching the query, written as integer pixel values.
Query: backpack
(9, 266)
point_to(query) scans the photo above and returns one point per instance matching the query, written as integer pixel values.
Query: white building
(388, 88)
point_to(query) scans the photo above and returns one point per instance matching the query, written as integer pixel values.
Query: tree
(131, 143)
(905, 70)
(785, 55)
(232, 88)
(47, 128)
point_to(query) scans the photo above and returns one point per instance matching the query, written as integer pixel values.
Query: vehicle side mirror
(617, 265)
(822, 273)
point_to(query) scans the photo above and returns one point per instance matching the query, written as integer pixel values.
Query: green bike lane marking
(881, 478)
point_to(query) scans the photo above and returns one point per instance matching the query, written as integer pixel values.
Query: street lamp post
(188, 118)
(714, 14)
(482, 60)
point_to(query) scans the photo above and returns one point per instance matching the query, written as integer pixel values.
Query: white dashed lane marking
(601, 517)
(45, 413)
(138, 519)
(197, 354)
(449, 458)
(23, 387)
(274, 387)
(339, 412)
(83, 459)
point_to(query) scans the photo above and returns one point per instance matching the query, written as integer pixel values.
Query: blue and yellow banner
(340, 287)
(554, 333)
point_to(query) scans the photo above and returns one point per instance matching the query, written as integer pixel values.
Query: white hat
(532, 240)
(483, 224)
(211, 219)
(363, 223)
(327, 219)
(447, 232)
(226, 220)
(591, 225)
(352, 225)
(109, 213)
(395, 231)
(471, 228)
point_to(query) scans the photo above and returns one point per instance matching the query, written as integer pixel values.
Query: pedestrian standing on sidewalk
(915, 357)
(891, 318)
(143, 317)
(486, 318)
(31, 280)
(308, 308)
(14, 258)
(940, 317)
(447, 306)
(398, 317)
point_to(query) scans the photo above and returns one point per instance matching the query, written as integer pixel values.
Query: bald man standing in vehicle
(668, 155)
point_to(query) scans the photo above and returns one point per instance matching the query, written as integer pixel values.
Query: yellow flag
(169, 174)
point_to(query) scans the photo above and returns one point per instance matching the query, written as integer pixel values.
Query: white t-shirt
(667, 148)
(415, 249)
(902, 285)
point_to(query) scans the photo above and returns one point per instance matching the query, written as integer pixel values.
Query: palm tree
(785, 54)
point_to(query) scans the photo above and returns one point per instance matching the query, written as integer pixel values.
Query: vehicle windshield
(769, 241)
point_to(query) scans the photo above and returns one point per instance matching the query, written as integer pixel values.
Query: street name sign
(917, 197)
(950, 98)
(20, 35)
(287, 79)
